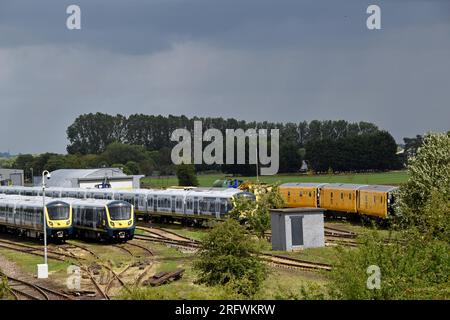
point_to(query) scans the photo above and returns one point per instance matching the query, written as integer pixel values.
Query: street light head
(49, 175)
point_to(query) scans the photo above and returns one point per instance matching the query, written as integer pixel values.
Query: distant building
(12, 177)
(93, 178)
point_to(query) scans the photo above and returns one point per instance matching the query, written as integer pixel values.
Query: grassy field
(390, 178)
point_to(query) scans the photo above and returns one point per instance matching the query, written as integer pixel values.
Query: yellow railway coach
(339, 197)
(300, 194)
(376, 200)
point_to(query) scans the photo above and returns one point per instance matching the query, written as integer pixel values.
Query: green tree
(256, 213)
(24, 162)
(132, 167)
(55, 162)
(91, 133)
(122, 153)
(229, 256)
(186, 175)
(424, 200)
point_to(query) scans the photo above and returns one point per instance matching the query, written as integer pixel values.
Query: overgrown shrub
(229, 257)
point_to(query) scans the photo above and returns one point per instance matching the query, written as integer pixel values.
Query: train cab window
(58, 211)
(119, 211)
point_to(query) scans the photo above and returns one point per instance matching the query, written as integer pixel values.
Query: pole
(257, 164)
(45, 218)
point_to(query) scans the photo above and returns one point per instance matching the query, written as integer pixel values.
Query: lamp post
(43, 268)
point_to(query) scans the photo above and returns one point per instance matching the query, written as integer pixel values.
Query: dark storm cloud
(259, 59)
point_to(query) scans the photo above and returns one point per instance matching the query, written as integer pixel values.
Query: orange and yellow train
(371, 200)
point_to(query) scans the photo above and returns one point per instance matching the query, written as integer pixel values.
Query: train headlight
(112, 224)
(67, 222)
(129, 223)
(50, 223)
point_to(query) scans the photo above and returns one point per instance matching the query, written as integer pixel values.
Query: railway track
(187, 245)
(292, 263)
(333, 240)
(25, 290)
(19, 247)
(335, 232)
(166, 234)
(147, 250)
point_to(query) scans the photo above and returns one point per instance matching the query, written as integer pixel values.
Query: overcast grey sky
(274, 60)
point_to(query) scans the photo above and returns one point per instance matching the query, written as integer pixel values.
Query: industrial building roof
(64, 177)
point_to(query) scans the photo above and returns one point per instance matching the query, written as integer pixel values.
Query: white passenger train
(22, 215)
(197, 204)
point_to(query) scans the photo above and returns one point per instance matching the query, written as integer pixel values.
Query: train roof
(379, 188)
(303, 184)
(90, 202)
(29, 200)
(345, 186)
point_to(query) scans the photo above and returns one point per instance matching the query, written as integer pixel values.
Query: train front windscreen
(120, 211)
(58, 211)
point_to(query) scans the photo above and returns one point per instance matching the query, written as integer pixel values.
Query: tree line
(140, 144)
(344, 142)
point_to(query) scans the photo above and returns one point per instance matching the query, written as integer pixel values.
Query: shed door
(297, 231)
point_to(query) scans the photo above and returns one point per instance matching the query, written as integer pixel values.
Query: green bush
(410, 268)
(186, 175)
(4, 289)
(229, 257)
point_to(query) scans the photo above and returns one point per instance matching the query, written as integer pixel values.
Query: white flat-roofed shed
(297, 228)
(90, 178)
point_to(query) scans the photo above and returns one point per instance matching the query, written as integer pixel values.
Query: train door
(195, 205)
(172, 204)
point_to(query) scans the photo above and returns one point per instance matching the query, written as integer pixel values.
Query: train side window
(342, 195)
(350, 196)
(289, 193)
(309, 194)
(331, 194)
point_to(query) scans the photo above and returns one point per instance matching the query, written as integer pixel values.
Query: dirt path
(13, 270)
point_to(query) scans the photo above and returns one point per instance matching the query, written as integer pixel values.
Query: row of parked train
(369, 200)
(109, 213)
(66, 218)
